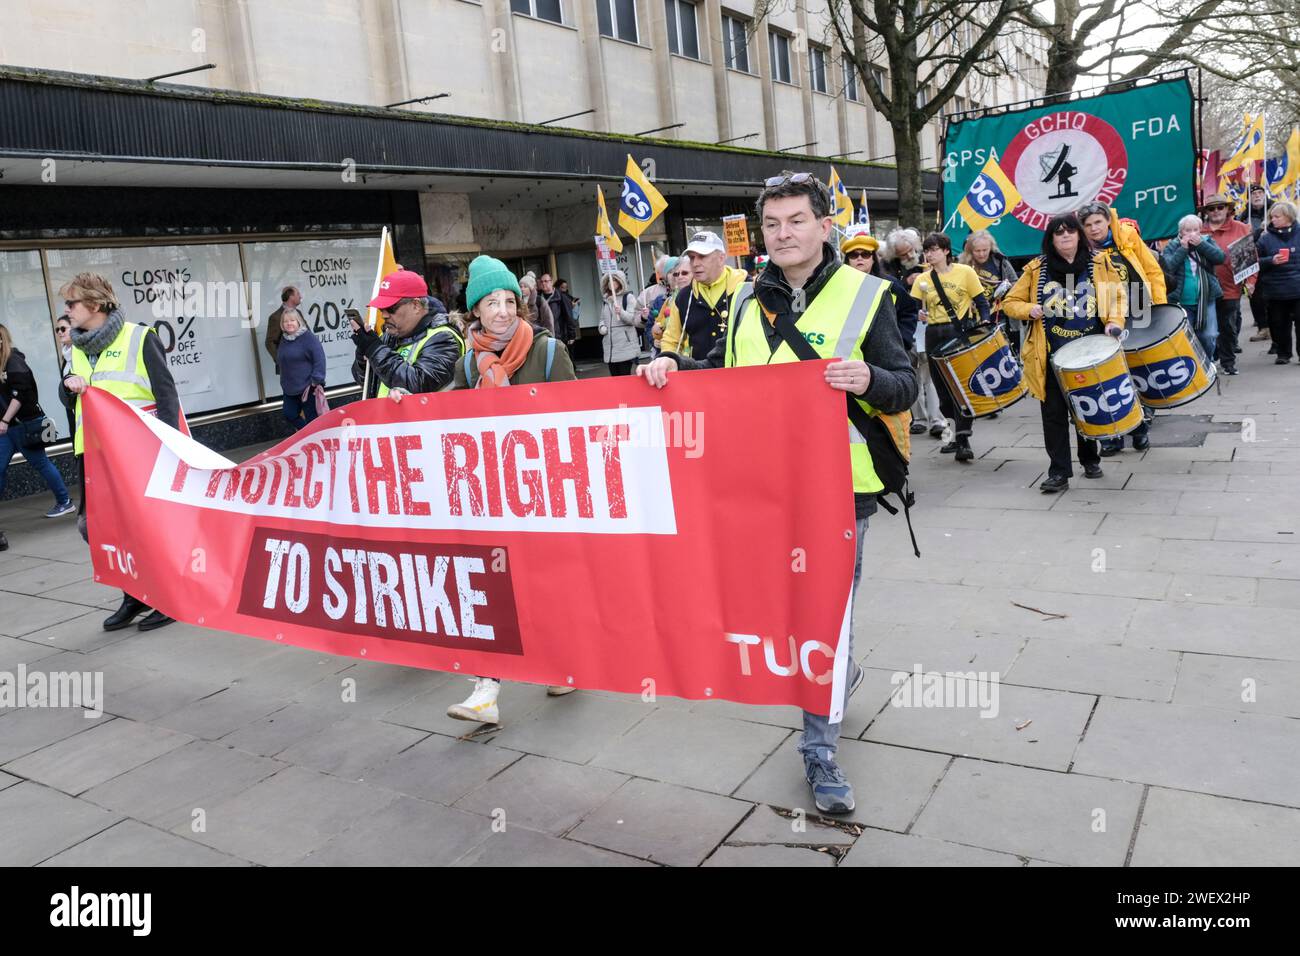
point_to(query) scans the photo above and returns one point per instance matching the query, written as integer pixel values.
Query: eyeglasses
(773, 181)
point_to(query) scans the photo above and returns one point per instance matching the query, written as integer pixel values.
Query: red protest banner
(598, 533)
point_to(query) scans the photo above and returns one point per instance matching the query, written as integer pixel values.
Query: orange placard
(735, 230)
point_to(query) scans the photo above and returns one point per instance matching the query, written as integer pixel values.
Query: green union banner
(1132, 150)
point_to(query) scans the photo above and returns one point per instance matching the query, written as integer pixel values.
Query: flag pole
(379, 277)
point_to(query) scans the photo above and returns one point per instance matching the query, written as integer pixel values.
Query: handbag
(318, 394)
(34, 430)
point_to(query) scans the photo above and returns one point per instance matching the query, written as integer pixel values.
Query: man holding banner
(417, 350)
(808, 304)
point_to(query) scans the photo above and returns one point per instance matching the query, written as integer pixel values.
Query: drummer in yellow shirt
(965, 293)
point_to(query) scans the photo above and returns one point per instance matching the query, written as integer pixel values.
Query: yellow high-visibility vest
(409, 354)
(119, 370)
(835, 325)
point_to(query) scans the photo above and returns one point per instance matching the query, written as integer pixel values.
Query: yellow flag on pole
(387, 264)
(842, 205)
(640, 204)
(1249, 149)
(603, 227)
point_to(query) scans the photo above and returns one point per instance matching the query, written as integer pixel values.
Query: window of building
(778, 45)
(541, 9)
(850, 81)
(881, 78)
(735, 42)
(817, 68)
(683, 37)
(617, 19)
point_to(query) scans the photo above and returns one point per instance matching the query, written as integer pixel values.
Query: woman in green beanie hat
(504, 349)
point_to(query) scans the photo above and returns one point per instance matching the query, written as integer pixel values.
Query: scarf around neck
(92, 343)
(499, 357)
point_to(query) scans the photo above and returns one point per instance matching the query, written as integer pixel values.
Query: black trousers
(935, 337)
(1229, 314)
(1283, 314)
(1057, 425)
(621, 368)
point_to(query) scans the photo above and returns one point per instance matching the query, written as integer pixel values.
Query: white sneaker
(480, 705)
(559, 690)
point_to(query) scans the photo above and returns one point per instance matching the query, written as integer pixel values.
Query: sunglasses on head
(796, 178)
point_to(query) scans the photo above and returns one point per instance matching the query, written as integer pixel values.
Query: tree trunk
(907, 157)
(1063, 66)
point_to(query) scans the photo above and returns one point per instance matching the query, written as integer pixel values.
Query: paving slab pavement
(1143, 628)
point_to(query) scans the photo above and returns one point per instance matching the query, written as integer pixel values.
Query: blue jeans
(820, 736)
(297, 412)
(1208, 335)
(12, 441)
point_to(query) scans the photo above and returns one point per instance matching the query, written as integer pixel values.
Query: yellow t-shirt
(960, 282)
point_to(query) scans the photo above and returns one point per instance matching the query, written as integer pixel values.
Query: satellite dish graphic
(1056, 167)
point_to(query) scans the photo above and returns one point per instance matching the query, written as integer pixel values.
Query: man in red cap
(419, 348)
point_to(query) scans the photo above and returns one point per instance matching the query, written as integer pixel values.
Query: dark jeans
(12, 441)
(1229, 312)
(1057, 425)
(1283, 314)
(297, 412)
(621, 368)
(935, 337)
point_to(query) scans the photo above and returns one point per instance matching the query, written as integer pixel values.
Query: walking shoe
(154, 621)
(832, 792)
(917, 428)
(1052, 484)
(964, 452)
(1108, 450)
(124, 615)
(1092, 471)
(1281, 361)
(936, 431)
(949, 448)
(4, 542)
(1230, 371)
(559, 690)
(1143, 442)
(481, 705)
(1260, 336)
(59, 511)
(856, 682)
(1236, 350)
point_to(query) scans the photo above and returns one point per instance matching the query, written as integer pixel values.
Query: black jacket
(566, 326)
(433, 368)
(19, 383)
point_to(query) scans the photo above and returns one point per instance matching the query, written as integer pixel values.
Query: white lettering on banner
(561, 471)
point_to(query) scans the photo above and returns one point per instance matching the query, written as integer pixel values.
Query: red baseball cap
(399, 285)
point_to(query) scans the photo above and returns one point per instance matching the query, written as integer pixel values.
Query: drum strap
(785, 327)
(958, 322)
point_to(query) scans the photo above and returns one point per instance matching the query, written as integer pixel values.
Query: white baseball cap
(702, 243)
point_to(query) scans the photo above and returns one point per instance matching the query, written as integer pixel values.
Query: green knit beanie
(487, 275)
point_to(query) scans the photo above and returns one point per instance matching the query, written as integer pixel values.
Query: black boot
(155, 620)
(4, 542)
(964, 451)
(125, 614)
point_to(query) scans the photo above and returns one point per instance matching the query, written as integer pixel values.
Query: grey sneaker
(832, 792)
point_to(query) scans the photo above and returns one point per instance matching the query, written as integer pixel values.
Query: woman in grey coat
(621, 319)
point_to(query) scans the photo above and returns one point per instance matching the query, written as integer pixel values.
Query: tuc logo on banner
(499, 532)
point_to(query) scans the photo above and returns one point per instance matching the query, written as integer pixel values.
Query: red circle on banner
(1061, 161)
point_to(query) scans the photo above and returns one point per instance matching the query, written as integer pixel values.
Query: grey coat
(620, 324)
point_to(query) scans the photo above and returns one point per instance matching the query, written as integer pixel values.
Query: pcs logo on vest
(996, 375)
(814, 338)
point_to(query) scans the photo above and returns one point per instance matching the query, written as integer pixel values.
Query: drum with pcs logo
(1165, 358)
(1096, 381)
(982, 373)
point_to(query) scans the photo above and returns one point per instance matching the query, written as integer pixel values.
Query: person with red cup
(1279, 277)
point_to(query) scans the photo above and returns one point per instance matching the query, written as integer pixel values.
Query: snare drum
(1166, 360)
(982, 375)
(1092, 374)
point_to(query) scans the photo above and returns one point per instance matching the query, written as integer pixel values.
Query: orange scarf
(495, 369)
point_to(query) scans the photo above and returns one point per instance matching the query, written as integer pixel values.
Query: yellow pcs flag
(1249, 149)
(387, 264)
(641, 203)
(989, 198)
(603, 227)
(842, 205)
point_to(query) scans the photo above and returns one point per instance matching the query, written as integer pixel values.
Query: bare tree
(927, 49)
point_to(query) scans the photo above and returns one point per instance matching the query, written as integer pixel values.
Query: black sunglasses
(860, 254)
